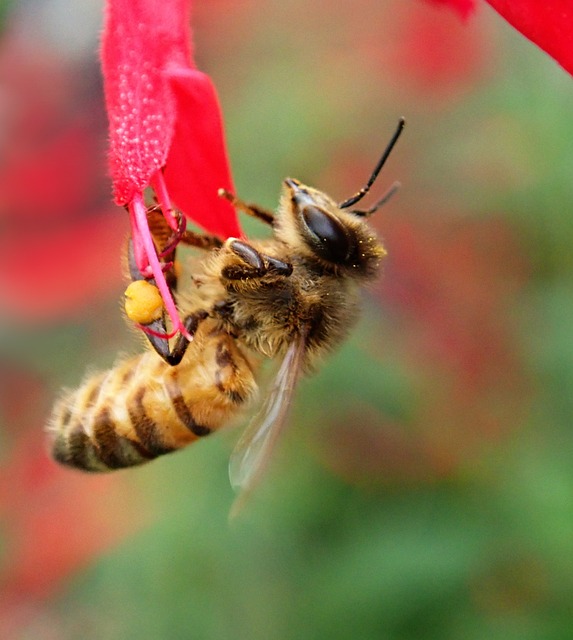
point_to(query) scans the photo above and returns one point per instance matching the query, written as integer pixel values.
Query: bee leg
(191, 322)
(253, 210)
(173, 356)
(200, 240)
(135, 274)
(256, 265)
(278, 266)
(160, 345)
(156, 329)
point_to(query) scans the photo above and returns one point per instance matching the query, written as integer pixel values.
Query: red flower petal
(164, 117)
(547, 23)
(194, 188)
(140, 38)
(162, 112)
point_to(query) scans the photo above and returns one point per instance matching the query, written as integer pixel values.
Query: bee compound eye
(330, 239)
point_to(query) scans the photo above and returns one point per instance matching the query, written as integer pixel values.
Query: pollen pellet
(143, 302)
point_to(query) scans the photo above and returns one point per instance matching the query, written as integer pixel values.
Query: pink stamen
(156, 334)
(138, 248)
(158, 183)
(139, 213)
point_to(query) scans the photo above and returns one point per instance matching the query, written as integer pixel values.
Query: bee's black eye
(330, 239)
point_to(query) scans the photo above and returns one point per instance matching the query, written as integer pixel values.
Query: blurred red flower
(52, 187)
(51, 527)
(434, 55)
(165, 127)
(448, 288)
(463, 7)
(547, 23)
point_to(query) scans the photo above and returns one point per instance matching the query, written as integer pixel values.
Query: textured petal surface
(139, 40)
(163, 113)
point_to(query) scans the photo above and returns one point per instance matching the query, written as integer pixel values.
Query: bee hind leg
(254, 264)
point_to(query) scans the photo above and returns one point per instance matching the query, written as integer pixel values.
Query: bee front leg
(249, 208)
(200, 240)
(253, 263)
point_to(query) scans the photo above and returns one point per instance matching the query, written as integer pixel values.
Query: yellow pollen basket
(143, 302)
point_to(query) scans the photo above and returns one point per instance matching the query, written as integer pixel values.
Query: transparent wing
(252, 452)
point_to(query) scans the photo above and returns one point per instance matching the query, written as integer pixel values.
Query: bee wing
(253, 450)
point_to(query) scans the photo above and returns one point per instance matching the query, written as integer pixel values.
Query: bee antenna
(383, 200)
(366, 188)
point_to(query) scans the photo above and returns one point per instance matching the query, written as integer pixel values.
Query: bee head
(322, 231)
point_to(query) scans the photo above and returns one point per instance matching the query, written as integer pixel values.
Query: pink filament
(156, 334)
(158, 183)
(147, 260)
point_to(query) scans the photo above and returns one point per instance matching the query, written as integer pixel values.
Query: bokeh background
(425, 488)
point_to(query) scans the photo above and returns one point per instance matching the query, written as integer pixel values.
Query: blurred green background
(425, 487)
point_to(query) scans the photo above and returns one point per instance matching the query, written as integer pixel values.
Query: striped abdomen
(144, 408)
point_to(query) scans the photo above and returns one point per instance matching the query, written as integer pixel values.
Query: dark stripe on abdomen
(146, 429)
(114, 450)
(73, 447)
(182, 410)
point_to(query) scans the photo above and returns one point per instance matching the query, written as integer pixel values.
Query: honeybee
(292, 297)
